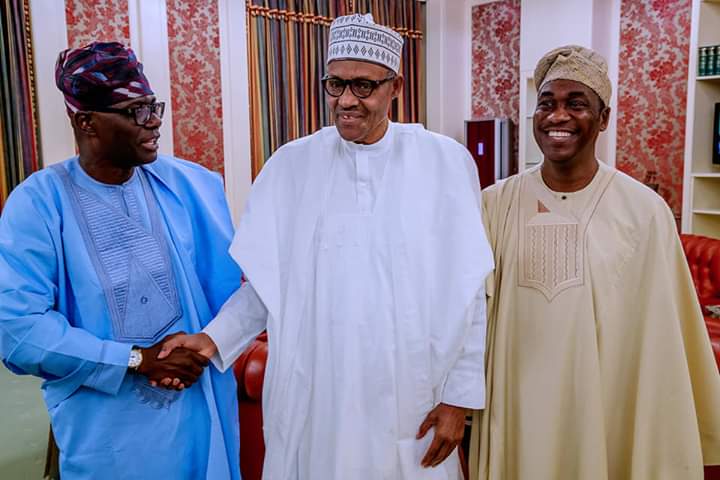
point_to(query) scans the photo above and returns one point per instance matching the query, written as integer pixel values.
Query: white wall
(49, 38)
(546, 24)
(449, 65)
(235, 104)
(434, 65)
(606, 40)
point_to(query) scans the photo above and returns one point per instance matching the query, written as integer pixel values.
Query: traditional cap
(99, 75)
(358, 37)
(576, 63)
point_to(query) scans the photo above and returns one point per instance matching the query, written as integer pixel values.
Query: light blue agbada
(86, 271)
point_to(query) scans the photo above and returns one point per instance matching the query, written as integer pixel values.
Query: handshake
(176, 361)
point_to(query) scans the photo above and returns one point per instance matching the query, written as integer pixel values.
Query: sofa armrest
(249, 369)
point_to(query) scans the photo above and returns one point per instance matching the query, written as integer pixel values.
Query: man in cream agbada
(599, 364)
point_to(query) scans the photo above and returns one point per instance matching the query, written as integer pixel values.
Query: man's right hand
(200, 343)
(183, 365)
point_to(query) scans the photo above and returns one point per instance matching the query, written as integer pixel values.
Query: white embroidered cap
(358, 37)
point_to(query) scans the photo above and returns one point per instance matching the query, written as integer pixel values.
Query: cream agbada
(599, 362)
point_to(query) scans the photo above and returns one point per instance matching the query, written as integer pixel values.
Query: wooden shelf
(707, 225)
(701, 180)
(706, 194)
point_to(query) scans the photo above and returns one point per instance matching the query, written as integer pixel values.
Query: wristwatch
(135, 358)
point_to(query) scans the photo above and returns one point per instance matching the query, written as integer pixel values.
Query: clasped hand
(178, 360)
(175, 368)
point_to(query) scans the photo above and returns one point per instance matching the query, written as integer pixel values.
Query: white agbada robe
(365, 263)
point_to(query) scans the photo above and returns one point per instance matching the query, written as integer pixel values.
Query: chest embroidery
(552, 256)
(551, 253)
(132, 263)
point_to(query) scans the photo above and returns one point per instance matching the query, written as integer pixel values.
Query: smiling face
(567, 121)
(362, 120)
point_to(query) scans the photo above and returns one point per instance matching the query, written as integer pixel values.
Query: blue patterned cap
(99, 75)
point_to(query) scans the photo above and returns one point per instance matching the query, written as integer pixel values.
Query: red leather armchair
(703, 256)
(249, 372)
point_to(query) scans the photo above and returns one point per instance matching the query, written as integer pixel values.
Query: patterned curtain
(19, 150)
(287, 43)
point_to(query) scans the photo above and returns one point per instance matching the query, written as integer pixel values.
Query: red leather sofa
(703, 256)
(250, 373)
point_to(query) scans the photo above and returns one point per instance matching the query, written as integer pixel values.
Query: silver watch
(135, 359)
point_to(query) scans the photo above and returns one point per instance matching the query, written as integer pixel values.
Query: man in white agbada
(365, 255)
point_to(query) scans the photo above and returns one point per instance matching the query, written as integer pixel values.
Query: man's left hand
(449, 423)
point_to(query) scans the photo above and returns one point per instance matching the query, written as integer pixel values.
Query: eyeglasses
(360, 87)
(141, 113)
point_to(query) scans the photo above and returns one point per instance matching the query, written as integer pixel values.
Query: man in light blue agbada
(104, 256)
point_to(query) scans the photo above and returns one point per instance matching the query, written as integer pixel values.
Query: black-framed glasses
(360, 87)
(141, 113)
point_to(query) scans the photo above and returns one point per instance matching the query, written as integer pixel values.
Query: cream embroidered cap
(580, 64)
(358, 37)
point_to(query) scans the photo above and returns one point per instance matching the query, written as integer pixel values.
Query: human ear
(604, 118)
(85, 122)
(397, 85)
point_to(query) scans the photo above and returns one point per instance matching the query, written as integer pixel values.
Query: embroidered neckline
(567, 195)
(81, 171)
(551, 237)
(117, 246)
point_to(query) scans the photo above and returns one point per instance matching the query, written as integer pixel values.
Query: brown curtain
(287, 47)
(19, 151)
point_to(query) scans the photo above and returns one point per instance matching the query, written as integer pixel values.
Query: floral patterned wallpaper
(194, 46)
(652, 92)
(496, 59)
(96, 20)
